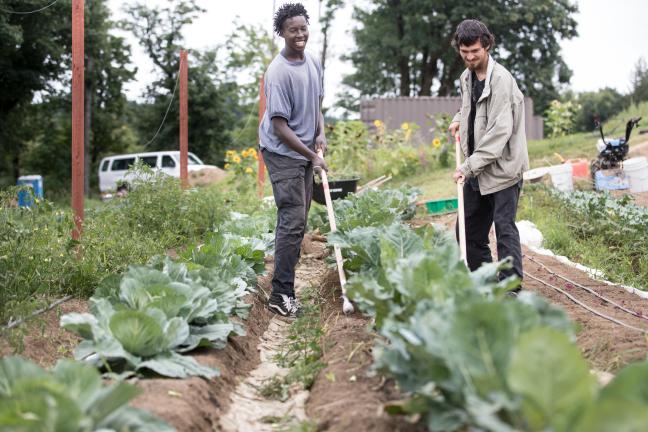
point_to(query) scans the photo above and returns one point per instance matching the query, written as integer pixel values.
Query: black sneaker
(283, 305)
(514, 292)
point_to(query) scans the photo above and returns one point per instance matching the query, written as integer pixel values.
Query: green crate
(440, 206)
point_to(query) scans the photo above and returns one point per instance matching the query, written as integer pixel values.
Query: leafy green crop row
(467, 355)
(39, 261)
(145, 318)
(594, 229)
(372, 208)
(71, 397)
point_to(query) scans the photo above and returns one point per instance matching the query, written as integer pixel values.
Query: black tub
(338, 188)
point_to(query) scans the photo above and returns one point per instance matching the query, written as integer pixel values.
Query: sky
(612, 37)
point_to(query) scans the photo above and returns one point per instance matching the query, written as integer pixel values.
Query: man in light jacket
(493, 141)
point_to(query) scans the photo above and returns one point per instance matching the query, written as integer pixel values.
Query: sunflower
(236, 159)
(405, 126)
(379, 124)
(227, 166)
(245, 153)
(436, 143)
(249, 170)
(230, 153)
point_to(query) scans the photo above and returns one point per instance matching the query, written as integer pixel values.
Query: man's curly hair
(287, 11)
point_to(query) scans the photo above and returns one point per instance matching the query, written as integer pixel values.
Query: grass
(568, 233)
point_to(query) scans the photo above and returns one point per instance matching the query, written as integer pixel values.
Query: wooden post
(77, 115)
(184, 118)
(262, 108)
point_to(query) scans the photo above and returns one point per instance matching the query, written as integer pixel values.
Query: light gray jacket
(500, 155)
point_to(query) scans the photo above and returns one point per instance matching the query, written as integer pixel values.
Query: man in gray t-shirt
(291, 132)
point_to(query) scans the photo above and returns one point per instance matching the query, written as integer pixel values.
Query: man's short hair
(470, 31)
(287, 11)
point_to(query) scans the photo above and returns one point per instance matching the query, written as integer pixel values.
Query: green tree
(33, 54)
(211, 96)
(602, 105)
(639, 92)
(107, 61)
(326, 21)
(249, 49)
(403, 46)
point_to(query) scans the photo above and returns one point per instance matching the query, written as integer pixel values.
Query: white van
(112, 169)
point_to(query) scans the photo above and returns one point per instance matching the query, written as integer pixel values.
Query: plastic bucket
(580, 167)
(338, 188)
(561, 177)
(636, 171)
(35, 182)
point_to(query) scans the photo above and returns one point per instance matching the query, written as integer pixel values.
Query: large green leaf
(138, 333)
(14, 368)
(614, 416)
(624, 386)
(82, 382)
(70, 398)
(552, 378)
(177, 366)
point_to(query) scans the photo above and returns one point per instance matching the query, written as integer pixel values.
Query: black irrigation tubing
(11, 324)
(589, 290)
(583, 305)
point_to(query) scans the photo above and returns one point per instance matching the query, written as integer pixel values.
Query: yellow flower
(227, 166)
(252, 150)
(230, 153)
(255, 156)
(245, 153)
(405, 126)
(249, 170)
(379, 124)
(236, 159)
(436, 143)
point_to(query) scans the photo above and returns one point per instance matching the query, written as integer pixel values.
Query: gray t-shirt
(293, 90)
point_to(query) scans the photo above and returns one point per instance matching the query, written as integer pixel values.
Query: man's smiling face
(295, 33)
(474, 56)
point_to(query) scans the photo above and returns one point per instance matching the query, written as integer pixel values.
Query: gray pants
(292, 187)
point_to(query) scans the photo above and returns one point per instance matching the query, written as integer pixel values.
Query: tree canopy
(403, 46)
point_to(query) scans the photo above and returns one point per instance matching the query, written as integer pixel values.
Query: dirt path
(606, 344)
(249, 411)
(346, 396)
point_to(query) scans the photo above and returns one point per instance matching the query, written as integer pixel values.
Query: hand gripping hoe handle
(347, 306)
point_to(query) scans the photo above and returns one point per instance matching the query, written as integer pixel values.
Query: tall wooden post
(77, 115)
(262, 108)
(184, 119)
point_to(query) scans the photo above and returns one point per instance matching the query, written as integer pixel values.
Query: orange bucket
(580, 167)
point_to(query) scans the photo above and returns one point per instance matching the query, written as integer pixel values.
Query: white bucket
(636, 170)
(561, 177)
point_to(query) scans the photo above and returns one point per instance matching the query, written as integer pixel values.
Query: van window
(104, 165)
(191, 160)
(122, 164)
(149, 160)
(168, 162)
